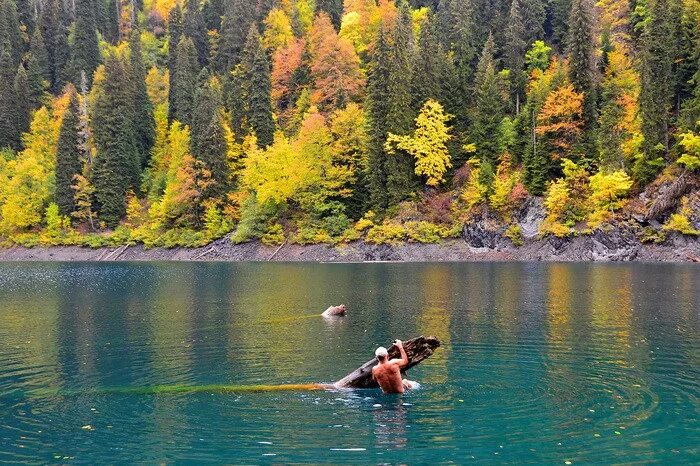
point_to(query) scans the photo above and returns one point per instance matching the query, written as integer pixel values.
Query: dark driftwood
(668, 200)
(417, 349)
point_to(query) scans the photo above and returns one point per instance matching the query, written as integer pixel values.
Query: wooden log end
(417, 349)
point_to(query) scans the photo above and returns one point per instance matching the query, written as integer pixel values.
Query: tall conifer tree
(9, 133)
(400, 177)
(258, 89)
(657, 53)
(194, 28)
(85, 50)
(488, 111)
(174, 36)
(23, 107)
(144, 122)
(581, 64)
(184, 85)
(68, 156)
(235, 27)
(378, 115)
(10, 31)
(116, 167)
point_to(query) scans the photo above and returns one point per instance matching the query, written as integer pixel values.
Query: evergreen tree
(36, 83)
(516, 46)
(235, 27)
(212, 11)
(657, 53)
(10, 31)
(194, 28)
(22, 100)
(174, 36)
(212, 153)
(400, 174)
(25, 14)
(38, 51)
(99, 8)
(68, 156)
(208, 101)
(184, 85)
(110, 26)
(9, 134)
(85, 50)
(378, 116)
(144, 122)
(488, 112)
(430, 67)
(258, 89)
(334, 8)
(557, 23)
(457, 25)
(116, 167)
(581, 66)
(52, 23)
(534, 16)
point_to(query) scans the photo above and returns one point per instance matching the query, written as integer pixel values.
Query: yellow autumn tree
(428, 144)
(275, 174)
(278, 30)
(31, 176)
(607, 195)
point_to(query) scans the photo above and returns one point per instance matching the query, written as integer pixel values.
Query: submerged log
(417, 349)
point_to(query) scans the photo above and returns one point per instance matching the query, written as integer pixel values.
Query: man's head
(381, 353)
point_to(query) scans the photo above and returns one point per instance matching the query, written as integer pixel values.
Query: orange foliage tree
(560, 121)
(335, 67)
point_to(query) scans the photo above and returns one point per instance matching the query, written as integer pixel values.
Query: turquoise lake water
(540, 363)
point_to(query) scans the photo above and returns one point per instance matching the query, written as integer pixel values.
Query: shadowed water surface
(541, 363)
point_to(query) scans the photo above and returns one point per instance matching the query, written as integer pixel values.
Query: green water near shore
(173, 362)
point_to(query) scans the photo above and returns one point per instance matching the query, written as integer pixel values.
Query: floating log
(417, 349)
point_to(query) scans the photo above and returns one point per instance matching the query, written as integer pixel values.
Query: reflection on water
(540, 363)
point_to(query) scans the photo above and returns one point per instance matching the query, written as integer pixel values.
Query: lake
(540, 363)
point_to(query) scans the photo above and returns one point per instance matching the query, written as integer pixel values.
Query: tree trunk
(668, 200)
(417, 349)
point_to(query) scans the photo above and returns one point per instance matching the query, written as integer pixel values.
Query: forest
(175, 123)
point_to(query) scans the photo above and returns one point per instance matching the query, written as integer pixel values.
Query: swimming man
(387, 372)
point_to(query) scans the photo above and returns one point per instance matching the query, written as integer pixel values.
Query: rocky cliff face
(623, 242)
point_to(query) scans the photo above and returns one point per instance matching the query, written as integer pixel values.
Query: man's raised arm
(403, 362)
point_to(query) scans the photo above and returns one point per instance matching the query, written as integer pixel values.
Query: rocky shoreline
(477, 244)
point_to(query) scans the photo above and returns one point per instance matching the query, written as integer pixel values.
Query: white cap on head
(381, 352)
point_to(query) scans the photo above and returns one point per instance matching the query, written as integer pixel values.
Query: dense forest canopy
(179, 121)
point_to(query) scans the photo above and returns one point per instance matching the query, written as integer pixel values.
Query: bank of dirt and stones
(631, 239)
